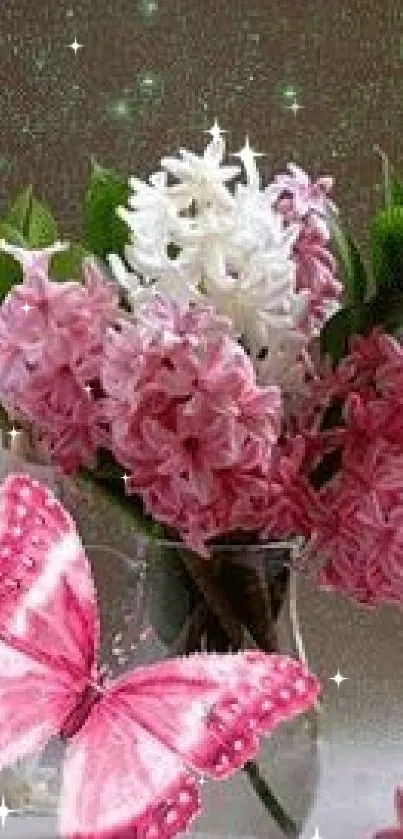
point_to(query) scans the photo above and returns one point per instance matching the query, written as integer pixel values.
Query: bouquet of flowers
(218, 357)
(238, 378)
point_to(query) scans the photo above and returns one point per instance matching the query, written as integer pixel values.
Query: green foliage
(172, 596)
(109, 476)
(68, 265)
(384, 307)
(386, 232)
(393, 188)
(10, 274)
(351, 269)
(18, 214)
(42, 228)
(28, 223)
(12, 235)
(396, 192)
(104, 231)
(336, 334)
(254, 601)
(32, 219)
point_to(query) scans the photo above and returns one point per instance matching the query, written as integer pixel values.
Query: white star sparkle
(125, 478)
(295, 107)
(4, 811)
(26, 307)
(338, 678)
(215, 132)
(75, 46)
(247, 156)
(14, 433)
(316, 834)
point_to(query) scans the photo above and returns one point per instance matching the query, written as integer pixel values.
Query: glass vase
(158, 600)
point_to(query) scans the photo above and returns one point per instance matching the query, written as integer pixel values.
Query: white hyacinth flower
(33, 259)
(200, 239)
(202, 179)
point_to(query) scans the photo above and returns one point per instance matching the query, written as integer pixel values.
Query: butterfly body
(77, 717)
(135, 747)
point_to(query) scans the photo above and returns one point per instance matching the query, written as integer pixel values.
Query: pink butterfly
(133, 748)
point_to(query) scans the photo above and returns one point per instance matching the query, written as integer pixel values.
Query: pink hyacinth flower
(51, 343)
(187, 420)
(297, 196)
(306, 203)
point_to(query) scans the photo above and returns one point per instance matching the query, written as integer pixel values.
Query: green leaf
(396, 192)
(384, 309)
(108, 475)
(255, 601)
(12, 235)
(393, 189)
(172, 596)
(105, 232)
(352, 271)
(386, 235)
(42, 227)
(336, 334)
(68, 265)
(32, 219)
(10, 273)
(10, 269)
(18, 214)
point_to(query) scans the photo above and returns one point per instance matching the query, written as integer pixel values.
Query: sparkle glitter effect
(247, 156)
(338, 678)
(4, 812)
(75, 46)
(319, 85)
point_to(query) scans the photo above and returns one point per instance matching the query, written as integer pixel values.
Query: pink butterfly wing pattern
(131, 761)
(48, 618)
(130, 771)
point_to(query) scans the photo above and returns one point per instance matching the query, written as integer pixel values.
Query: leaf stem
(268, 799)
(200, 572)
(215, 600)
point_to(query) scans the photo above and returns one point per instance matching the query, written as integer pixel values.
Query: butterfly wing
(48, 618)
(131, 766)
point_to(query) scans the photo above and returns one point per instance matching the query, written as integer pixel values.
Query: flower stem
(191, 632)
(269, 801)
(200, 572)
(202, 576)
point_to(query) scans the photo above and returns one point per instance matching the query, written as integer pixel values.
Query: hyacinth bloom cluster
(208, 395)
(259, 255)
(175, 399)
(188, 421)
(307, 204)
(357, 522)
(51, 338)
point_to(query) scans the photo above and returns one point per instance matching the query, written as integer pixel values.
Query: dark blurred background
(318, 82)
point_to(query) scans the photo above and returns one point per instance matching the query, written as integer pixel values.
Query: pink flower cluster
(174, 399)
(188, 421)
(302, 201)
(357, 522)
(51, 337)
